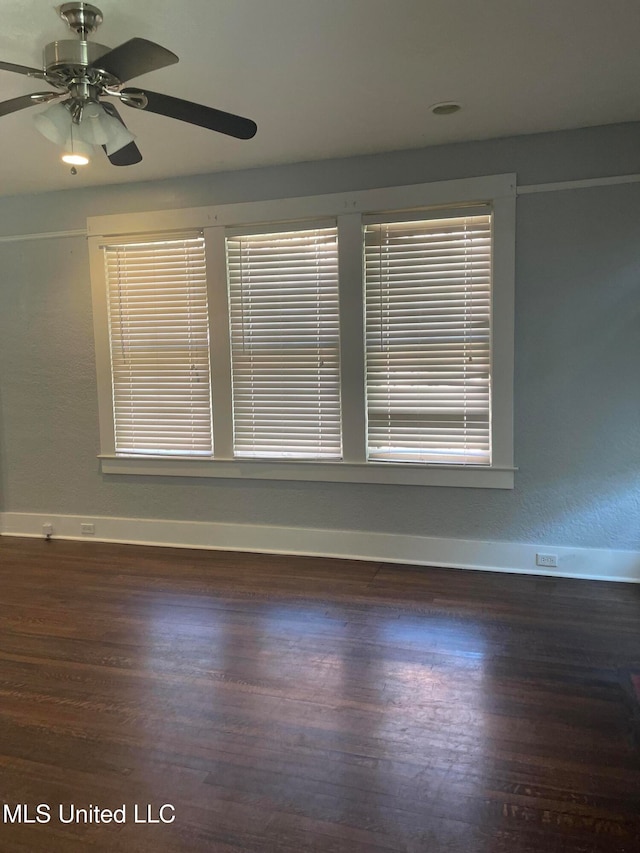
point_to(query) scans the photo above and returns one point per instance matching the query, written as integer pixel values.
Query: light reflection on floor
(323, 666)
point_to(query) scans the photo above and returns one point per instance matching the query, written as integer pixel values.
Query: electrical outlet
(549, 561)
(47, 529)
(87, 528)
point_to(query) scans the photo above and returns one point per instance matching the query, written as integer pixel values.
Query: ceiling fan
(83, 73)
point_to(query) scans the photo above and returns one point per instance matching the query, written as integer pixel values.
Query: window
(159, 335)
(283, 305)
(364, 337)
(428, 339)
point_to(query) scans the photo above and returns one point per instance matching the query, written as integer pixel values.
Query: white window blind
(283, 298)
(159, 332)
(428, 340)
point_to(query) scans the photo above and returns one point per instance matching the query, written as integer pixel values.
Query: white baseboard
(589, 563)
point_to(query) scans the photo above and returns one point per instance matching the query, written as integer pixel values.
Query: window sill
(389, 473)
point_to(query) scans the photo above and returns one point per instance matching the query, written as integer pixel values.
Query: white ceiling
(333, 78)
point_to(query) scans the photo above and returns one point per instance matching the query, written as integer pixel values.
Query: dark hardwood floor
(299, 704)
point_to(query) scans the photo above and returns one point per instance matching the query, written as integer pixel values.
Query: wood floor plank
(308, 705)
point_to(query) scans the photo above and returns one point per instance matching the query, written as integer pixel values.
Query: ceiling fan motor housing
(59, 55)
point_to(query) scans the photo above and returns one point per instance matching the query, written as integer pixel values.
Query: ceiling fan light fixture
(120, 136)
(54, 123)
(95, 126)
(76, 152)
(75, 159)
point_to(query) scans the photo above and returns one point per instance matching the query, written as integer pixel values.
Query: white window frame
(348, 209)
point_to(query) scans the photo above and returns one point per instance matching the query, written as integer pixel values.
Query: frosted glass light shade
(54, 123)
(95, 126)
(119, 138)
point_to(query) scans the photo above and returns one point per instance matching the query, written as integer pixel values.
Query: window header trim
(461, 193)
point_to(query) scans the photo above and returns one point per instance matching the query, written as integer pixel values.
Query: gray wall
(577, 405)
